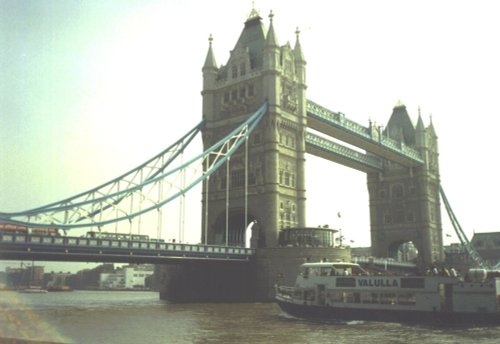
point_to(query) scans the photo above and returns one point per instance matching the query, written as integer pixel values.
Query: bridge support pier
(280, 266)
(230, 281)
(207, 281)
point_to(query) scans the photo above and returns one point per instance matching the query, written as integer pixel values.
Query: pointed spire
(210, 59)
(271, 36)
(253, 13)
(297, 50)
(420, 122)
(399, 103)
(430, 128)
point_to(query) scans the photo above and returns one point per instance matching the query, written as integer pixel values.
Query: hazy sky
(90, 89)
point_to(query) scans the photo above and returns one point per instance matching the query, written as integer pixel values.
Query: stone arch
(236, 228)
(404, 250)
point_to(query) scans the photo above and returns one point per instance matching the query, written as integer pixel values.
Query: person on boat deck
(346, 273)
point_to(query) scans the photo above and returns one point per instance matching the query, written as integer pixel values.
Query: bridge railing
(338, 149)
(338, 119)
(69, 243)
(383, 262)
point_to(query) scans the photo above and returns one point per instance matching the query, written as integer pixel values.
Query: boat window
(309, 295)
(408, 299)
(337, 296)
(344, 297)
(349, 297)
(71, 241)
(388, 298)
(325, 271)
(412, 283)
(58, 240)
(369, 298)
(297, 294)
(345, 282)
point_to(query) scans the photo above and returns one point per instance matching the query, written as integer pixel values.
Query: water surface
(140, 317)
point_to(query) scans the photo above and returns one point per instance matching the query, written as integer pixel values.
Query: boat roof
(330, 264)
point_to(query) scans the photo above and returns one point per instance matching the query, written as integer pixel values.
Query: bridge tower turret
(258, 70)
(404, 202)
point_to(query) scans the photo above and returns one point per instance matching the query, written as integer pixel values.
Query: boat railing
(285, 291)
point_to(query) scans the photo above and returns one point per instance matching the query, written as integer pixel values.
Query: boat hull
(349, 314)
(33, 291)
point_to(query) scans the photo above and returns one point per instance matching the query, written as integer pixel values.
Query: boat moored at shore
(33, 290)
(344, 291)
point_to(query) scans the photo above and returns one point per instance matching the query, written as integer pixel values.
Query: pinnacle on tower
(430, 128)
(210, 59)
(297, 50)
(420, 122)
(399, 103)
(253, 13)
(271, 36)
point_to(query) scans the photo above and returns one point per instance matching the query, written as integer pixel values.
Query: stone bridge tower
(404, 202)
(258, 70)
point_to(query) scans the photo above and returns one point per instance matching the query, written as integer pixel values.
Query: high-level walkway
(371, 139)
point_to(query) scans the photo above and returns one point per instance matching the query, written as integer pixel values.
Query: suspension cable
(227, 201)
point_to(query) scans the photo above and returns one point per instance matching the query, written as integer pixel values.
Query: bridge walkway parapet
(337, 125)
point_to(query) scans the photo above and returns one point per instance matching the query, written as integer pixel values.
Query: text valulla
(377, 282)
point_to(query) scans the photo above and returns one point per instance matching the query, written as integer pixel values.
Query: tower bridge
(400, 160)
(257, 127)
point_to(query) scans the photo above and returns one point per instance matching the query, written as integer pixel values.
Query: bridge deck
(78, 249)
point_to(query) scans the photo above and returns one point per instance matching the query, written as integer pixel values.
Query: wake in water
(285, 315)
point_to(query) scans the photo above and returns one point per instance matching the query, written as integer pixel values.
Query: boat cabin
(331, 269)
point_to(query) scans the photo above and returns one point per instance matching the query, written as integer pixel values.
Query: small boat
(33, 290)
(345, 291)
(59, 288)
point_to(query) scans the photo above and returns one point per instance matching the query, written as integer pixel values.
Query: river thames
(140, 317)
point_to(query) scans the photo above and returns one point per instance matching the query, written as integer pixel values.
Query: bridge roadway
(17, 246)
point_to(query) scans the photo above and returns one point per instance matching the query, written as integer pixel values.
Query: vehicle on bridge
(13, 228)
(20, 246)
(121, 236)
(344, 291)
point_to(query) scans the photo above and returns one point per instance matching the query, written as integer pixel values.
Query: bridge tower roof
(400, 126)
(252, 39)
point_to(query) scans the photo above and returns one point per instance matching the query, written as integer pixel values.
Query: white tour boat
(344, 291)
